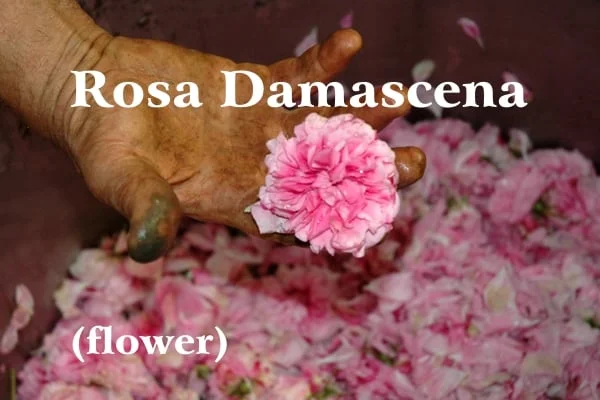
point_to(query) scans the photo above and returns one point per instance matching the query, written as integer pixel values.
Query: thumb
(137, 191)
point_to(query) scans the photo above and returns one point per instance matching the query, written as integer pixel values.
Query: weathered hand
(156, 164)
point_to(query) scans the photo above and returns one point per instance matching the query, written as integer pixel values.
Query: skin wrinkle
(70, 123)
(69, 111)
(68, 47)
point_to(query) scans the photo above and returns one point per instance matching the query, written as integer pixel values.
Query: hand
(156, 164)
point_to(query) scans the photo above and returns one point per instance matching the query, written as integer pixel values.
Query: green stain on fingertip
(151, 236)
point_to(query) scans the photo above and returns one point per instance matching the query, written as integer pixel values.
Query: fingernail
(152, 236)
(411, 163)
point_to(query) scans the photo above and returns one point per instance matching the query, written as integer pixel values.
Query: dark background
(46, 213)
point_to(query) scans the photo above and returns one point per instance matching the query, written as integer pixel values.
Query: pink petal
(181, 264)
(516, 193)
(423, 70)
(397, 287)
(64, 391)
(266, 221)
(20, 318)
(121, 243)
(288, 387)
(347, 20)
(67, 296)
(540, 364)
(9, 340)
(519, 141)
(441, 381)
(511, 77)
(290, 352)
(311, 39)
(471, 29)
(24, 310)
(24, 298)
(152, 270)
(499, 294)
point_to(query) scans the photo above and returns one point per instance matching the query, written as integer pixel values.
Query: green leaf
(453, 203)
(490, 161)
(515, 152)
(326, 392)
(203, 371)
(385, 358)
(541, 208)
(242, 389)
(592, 322)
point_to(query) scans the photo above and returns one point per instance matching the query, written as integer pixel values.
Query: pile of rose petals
(488, 287)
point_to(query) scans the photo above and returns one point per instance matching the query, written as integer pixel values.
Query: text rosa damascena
(90, 89)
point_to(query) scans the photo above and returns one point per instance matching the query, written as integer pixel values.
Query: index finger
(320, 63)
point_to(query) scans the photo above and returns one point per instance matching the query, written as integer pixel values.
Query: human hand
(156, 164)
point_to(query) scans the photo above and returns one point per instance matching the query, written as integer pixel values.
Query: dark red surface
(46, 213)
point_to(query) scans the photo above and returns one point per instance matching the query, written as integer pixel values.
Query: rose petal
(9, 340)
(347, 20)
(24, 298)
(311, 39)
(471, 29)
(511, 77)
(423, 70)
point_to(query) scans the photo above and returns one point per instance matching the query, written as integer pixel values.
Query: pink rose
(333, 185)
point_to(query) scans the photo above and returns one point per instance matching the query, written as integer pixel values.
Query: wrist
(82, 50)
(44, 40)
